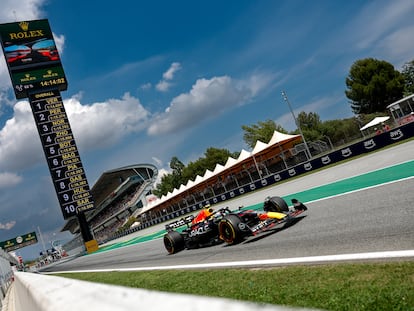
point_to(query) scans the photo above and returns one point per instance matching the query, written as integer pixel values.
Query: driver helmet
(208, 210)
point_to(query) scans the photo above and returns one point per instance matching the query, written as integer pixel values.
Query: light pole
(41, 239)
(308, 154)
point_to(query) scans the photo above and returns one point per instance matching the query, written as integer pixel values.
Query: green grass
(369, 286)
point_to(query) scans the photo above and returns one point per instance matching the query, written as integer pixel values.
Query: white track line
(266, 262)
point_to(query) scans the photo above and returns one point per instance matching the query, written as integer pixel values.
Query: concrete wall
(37, 292)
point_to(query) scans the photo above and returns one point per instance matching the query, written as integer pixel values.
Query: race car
(210, 227)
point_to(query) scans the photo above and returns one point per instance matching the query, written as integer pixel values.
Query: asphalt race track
(375, 219)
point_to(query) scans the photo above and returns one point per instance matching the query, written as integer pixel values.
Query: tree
(181, 174)
(167, 184)
(212, 157)
(309, 121)
(216, 156)
(262, 131)
(408, 74)
(309, 124)
(177, 168)
(340, 131)
(373, 85)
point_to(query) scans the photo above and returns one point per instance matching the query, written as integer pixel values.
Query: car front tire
(229, 229)
(173, 242)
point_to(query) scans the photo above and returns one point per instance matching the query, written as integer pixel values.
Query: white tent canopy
(277, 138)
(280, 137)
(373, 122)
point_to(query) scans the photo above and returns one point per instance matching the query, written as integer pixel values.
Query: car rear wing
(178, 223)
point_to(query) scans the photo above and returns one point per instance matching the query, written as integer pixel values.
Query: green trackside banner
(32, 57)
(19, 242)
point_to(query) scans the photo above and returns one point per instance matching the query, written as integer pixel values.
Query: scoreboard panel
(61, 153)
(32, 57)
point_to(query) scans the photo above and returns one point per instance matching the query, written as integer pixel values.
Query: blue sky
(149, 80)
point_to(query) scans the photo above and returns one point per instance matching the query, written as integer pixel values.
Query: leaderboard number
(62, 186)
(40, 106)
(52, 150)
(66, 197)
(70, 209)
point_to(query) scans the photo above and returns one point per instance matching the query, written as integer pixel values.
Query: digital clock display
(53, 82)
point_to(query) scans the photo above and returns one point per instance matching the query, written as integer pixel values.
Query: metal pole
(330, 142)
(282, 155)
(257, 168)
(41, 239)
(308, 154)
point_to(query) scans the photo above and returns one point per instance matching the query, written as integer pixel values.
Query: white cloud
(12, 10)
(398, 46)
(378, 20)
(4, 74)
(145, 86)
(94, 126)
(60, 42)
(157, 161)
(103, 124)
(9, 180)
(8, 225)
(19, 142)
(164, 85)
(169, 74)
(206, 99)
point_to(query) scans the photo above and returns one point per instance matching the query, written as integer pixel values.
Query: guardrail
(37, 292)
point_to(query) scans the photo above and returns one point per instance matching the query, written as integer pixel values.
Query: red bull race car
(210, 227)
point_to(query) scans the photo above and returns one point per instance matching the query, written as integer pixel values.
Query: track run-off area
(361, 209)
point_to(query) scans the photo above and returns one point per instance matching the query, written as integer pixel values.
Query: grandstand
(117, 194)
(249, 171)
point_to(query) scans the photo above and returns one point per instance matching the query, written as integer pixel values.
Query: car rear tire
(229, 229)
(173, 242)
(276, 204)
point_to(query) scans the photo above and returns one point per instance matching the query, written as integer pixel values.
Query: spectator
(385, 127)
